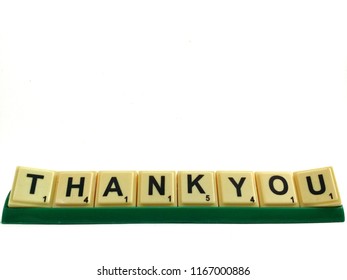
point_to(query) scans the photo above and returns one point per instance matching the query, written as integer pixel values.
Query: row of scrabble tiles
(44, 188)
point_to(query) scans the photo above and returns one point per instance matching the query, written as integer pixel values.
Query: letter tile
(157, 188)
(237, 188)
(116, 188)
(197, 188)
(317, 187)
(276, 189)
(75, 189)
(32, 188)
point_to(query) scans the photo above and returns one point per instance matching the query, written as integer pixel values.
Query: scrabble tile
(197, 188)
(32, 187)
(276, 189)
(317, 187)
(116, 188)
(236, 188)
(157, 188)
(75, 189)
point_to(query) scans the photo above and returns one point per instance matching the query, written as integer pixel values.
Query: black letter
(193, 183)
(322, 185)
(160, 188)
(79, 186)
(109, 188)
(237, 185)
(34, 181)
(285, 185)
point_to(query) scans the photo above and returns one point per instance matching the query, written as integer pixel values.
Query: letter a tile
(116, 188)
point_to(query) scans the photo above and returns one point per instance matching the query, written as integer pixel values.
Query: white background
(173, 85)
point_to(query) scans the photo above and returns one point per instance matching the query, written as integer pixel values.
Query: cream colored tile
(317, 187)
(276, 189)
(157, 188)
(116, 188)
(75, 188)
(197, 188)
(237, 188)
(32, 188)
